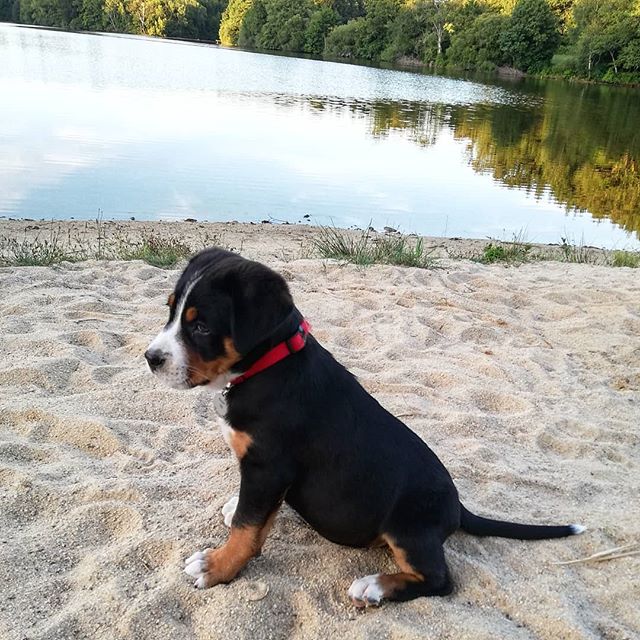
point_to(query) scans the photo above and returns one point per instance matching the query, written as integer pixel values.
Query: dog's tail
(479, 526)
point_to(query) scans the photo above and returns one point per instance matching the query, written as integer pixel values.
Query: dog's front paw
(229, 509)
(196, 566)
(366, 592)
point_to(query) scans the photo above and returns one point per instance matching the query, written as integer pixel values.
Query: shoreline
(403, 64)
(294, 240)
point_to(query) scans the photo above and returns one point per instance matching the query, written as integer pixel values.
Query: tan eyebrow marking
(191, 314)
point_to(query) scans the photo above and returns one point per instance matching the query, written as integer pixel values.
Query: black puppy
(306, 432)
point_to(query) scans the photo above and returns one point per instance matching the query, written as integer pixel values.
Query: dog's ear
(261, 301)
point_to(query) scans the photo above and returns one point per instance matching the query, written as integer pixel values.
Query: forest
(592, 39)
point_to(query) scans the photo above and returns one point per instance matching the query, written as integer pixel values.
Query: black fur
(352, 470)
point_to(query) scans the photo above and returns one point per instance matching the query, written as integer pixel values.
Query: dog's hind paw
(229, 510)
(366, 592)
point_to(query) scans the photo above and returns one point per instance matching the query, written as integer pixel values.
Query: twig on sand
(631, 549)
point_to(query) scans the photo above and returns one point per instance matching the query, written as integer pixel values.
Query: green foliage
(344, 40)
(55, 245)
(480, 45)
(277, 24)
(197, 19)
(231, 21)
(365, 248)
(284, 28)
(531, 36)
(607, 37)
(578, 253)
(320, 24)
(156, 250)
(511, 252)
(626, 259)
(346, 9)
(252, 24)
(365, 37)
(39, 251)
(6, 10)
(406, 37)
(48, 13)
(598, 39)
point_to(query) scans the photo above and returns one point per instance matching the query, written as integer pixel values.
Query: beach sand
(525, 381)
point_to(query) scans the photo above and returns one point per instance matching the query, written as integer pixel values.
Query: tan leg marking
(400, 556)
(371, 590)
(393, 582)
(224, 564)
(240, 443)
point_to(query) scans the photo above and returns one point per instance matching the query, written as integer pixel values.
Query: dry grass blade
(631, 549)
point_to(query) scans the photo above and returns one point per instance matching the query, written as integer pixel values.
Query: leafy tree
(9, 10)
(531, 36)
(479, 45)
(320, 24)
(406, 36)
(436, 11)
(252, 24)
(343, 41)
(117, 18)
(231, 21)
(201, 20)
(275, 24)
(365, 37)
(91, 16)
(345, 9)
(376, 31)
(630, 54)
(48, 13)
(604, 30)
(348, 9)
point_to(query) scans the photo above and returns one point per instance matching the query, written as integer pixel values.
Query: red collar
(292, 345)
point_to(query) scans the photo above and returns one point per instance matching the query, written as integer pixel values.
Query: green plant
(578, 253)
(625, 259)
(39, 251)
(156, 250)
(99, 243)
(518, 250)
(366, 249)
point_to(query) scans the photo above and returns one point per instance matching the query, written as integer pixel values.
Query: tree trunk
(615, 66)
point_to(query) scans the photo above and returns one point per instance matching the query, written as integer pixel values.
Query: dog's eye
(201, 328)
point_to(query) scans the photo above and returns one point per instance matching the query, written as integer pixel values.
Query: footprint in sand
(569, 438)
(499, 402)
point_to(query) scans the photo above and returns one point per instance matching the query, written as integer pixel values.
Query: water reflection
(579, 144)
(147, 128)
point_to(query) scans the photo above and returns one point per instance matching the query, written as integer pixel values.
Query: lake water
(139, 127)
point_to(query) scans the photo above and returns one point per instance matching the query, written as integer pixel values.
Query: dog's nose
(155, 358)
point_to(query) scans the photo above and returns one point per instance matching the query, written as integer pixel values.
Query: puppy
(305, 432)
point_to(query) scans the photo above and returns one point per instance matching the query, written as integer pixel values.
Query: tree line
(595, 39)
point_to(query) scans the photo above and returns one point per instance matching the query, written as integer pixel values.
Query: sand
(525, 381)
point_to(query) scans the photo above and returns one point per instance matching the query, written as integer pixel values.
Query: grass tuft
(54, 247)
(518, 250)
(39, 251)
(367, 249)
(578, 253)
(625, 259)
(155, 250)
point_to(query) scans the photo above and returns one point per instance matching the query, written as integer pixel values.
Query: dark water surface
(157, 129)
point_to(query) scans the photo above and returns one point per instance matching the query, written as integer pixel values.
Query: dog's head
(222, 308)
